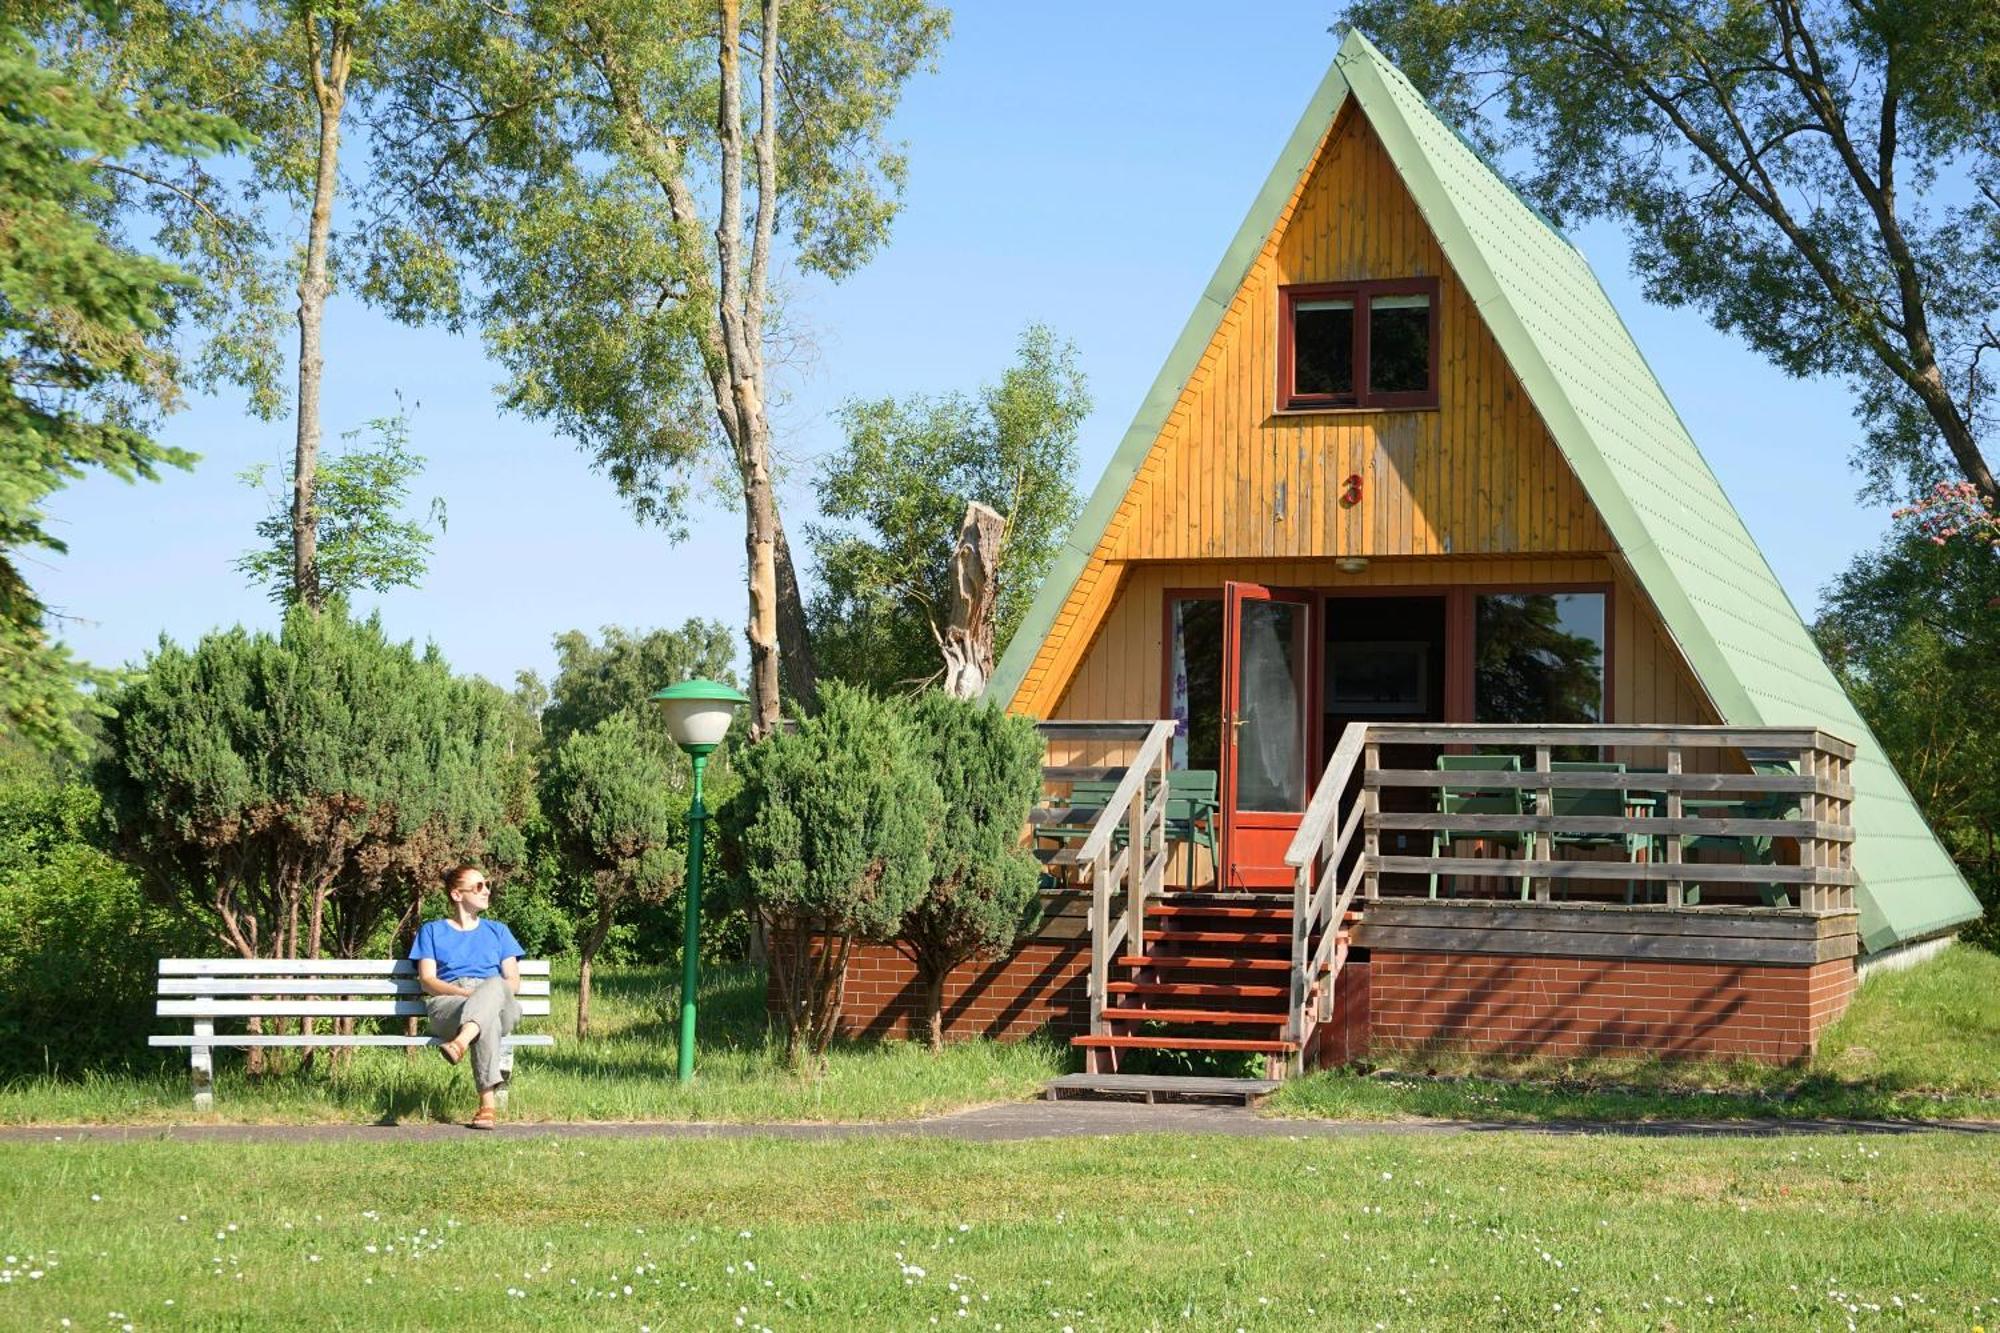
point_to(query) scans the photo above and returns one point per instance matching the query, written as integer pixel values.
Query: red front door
(1267, 672)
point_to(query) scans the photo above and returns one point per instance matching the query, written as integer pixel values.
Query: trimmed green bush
(299, 794)
(832, 830)
(615, 815)
(988, 769)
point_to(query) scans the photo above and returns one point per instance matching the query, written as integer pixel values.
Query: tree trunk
(934, 1009)
(586, 951)
(329, 82)
(967, 642)
(761, 549)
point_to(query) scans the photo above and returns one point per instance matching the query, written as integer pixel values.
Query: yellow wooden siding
(1229, 478)
(1120, 674)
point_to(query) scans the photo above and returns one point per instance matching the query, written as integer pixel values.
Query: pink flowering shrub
(1953, 509)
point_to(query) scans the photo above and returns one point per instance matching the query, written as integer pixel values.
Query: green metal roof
(1740, 633)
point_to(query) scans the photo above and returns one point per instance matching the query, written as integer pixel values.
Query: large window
(1362, 344)
(1538, 657)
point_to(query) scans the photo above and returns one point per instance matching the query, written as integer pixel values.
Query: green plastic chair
(1086, 800)
(1193, 811)
(1754, 849)
(1596, 803)
(1477, 801)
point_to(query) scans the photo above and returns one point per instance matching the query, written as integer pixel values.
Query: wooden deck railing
(1120, 877)
(1789, 816)
(1793, 807)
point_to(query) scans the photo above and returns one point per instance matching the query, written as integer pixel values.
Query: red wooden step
(1234, 912)
(1188, 1043)
(1196, 990)
(1192, 1016)
(1252, 938)
(1220, 964)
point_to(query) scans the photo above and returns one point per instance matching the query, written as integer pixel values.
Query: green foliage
(832, 831)
(358, 497)
(1822, 181)
(615, 818)
(78, 942)
(293, 793)
(82, 318)
(1913, 632)
(618, 677)
(982, 893)
(547, 176)
(898, 489)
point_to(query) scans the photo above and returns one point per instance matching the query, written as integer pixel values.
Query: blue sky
(1082, 165)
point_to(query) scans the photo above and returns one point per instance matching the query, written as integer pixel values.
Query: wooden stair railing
(1320, 896)
(1138, 868)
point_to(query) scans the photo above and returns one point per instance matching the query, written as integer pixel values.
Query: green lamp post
(698, 716)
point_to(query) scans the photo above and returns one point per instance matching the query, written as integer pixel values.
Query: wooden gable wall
(1231, 479)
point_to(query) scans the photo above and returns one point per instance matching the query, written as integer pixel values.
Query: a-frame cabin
(1407, 504)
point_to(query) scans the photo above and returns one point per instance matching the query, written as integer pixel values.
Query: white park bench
(205, 989)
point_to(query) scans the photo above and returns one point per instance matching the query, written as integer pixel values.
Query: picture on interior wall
(1378, 679)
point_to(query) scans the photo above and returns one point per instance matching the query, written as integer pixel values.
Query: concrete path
(1005, 1123)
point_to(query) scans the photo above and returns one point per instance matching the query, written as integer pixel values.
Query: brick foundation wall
(1006, 998)
(1548, 1005)
(1344, 1038)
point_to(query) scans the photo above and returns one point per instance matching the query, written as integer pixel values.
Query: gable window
(1358, 344)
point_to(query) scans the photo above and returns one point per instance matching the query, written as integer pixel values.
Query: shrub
(79, 944)
(296, 792)
(614, 817)
(832, 830)
(988, 769)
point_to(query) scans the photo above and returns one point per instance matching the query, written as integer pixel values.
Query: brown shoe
(452, 1051)
(483, 1118)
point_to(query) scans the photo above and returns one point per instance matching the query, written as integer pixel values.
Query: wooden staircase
(1202, 971)
(1213, 975)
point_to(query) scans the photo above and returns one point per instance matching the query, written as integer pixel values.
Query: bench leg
(201, 1068)
(506, 1076)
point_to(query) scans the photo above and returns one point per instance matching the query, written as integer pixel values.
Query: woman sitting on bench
(470, 972)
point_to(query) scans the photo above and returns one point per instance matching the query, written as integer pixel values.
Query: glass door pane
(1270, 722)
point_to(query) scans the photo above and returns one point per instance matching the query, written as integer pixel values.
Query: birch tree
(602, 190)
(295, 74)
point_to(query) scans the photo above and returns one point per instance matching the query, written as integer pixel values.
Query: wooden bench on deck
(205, 989)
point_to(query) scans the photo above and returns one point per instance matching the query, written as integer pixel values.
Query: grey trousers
(494, 1008)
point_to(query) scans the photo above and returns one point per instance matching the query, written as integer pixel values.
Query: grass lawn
(1917, 1044)
(1480, 1230)
(1920, 1044)
(624, 1071)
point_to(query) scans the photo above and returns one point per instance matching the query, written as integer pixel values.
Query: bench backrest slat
(311, 967)
(329, 986)
(530, 1007)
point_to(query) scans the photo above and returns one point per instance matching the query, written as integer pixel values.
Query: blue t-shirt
(466, 955)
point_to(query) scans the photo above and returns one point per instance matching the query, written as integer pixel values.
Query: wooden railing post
(1811, 849)
(1100, 948)
(1845, 768)
(1136, 862)
(1675, 887)
(1541, 844)
(1371, 805)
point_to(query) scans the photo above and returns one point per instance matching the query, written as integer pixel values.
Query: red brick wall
(1529, 1005)
(1006, 998)
(1343, 1038)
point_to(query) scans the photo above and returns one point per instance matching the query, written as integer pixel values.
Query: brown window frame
(1361, 293)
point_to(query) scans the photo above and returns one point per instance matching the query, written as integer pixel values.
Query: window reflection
(1539, 657)
(1194, 682)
